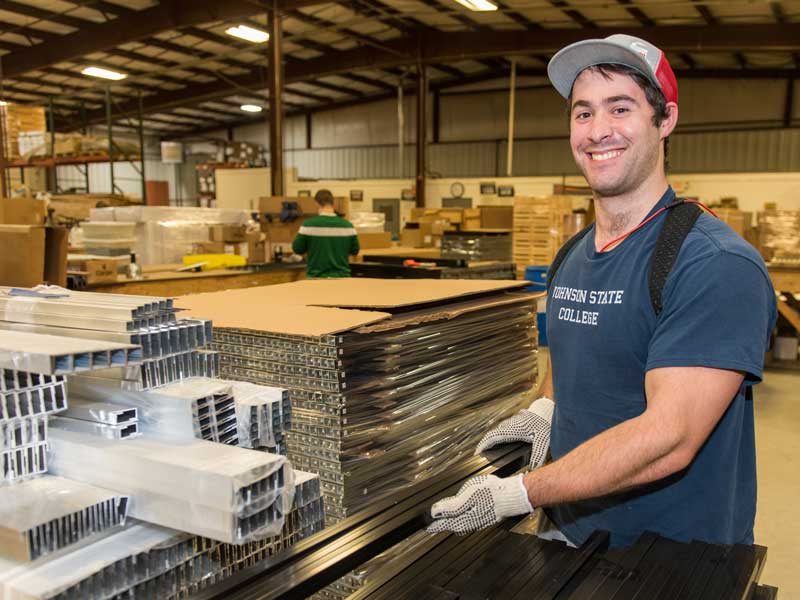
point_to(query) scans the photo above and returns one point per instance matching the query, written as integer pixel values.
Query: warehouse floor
(778, 454)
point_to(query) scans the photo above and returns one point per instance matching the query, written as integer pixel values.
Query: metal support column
(51, 124)
(110, 137)
(787, 110)
(512, 97)
(401, 127)
(422, 131)
(141, 144)
(84, 131)
(309, 125)
(275, 72)
(437, 107)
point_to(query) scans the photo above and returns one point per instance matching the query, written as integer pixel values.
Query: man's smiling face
(613, 139)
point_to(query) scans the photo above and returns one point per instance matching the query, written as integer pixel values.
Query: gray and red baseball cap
(620, 49)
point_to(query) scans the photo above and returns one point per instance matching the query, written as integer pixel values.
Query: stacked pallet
(779, 235)
(541, 226)
(18, 119)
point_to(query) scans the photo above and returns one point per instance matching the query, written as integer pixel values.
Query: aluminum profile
(208, 489)
(112, 432)
(31, 401)
(147, 561)
(15, 433)
(23, 461)
(11, 379)
(100, 412)
(55, 355)
(40, 516)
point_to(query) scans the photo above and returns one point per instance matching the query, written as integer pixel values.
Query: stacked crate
(18, 119)
(541, 226)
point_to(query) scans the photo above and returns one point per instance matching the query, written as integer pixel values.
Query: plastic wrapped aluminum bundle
(262, 414)
(154, 373)
(156, 341)
(148, 561)
(381, 407)
(197, 407)
(110, 432)
(779, 233)
(42, 515)
(477, 245)
(229, 494)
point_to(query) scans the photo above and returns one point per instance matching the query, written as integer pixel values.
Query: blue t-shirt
(718, 311)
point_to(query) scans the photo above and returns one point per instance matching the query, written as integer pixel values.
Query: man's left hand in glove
(482, 501)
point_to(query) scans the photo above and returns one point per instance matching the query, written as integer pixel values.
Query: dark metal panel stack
(496, 563)
(379, 408)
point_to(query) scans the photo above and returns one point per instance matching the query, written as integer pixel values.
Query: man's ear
(671, 120)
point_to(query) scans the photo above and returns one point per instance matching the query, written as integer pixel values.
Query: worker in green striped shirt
(327, 240)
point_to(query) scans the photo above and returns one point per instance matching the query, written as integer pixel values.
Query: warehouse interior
(194, 411)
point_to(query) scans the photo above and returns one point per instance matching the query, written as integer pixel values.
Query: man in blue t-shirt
(650, 426)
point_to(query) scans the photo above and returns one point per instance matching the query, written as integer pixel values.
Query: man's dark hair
(655, 97)
(324, 198)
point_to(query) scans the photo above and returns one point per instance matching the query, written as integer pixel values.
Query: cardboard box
(228, 233)
(371, 241)
(281, 233)
(23, 211)
(257, 247)
(417, 235)
(208, 248)
(94, 270)
(454, 215)
(497, 217)
(40, 255)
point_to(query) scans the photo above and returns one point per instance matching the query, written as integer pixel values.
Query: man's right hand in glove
(531, 425)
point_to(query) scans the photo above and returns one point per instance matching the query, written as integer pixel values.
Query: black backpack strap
(679, 222)
(562, 254)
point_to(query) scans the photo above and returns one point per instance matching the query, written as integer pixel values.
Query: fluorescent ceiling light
(477, 5)
(250, 108)
(248, 33)
(3, 103)
(103, 73)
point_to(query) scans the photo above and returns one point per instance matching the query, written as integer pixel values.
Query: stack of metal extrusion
(478, 245)
(169, 347)
(149, 561)
(382, 406)
(240, 500)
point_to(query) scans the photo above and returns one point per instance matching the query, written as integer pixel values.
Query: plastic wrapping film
(368, 222)
(196, 407)
(262, 414)
(476, 246)
(375, 412)
(45, 514)
(779, 235)
(147, 561)
(165, 234)
(229, 494)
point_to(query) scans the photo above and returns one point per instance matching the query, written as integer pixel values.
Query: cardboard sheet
(317, 307)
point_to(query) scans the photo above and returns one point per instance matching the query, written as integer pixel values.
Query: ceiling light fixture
(250, 34)
(251, 108)
(103, 73)
(478, 5)
(3, 103)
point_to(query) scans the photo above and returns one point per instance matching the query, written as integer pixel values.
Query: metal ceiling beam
(94, 37)
(452, 46)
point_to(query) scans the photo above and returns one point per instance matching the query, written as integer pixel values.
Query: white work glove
(530, 425)
(482, 501)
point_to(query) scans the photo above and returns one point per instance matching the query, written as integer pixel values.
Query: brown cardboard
(497, 217)
(454, 215)
(208, 248)
(23, 211)
(281, 233)
(322, 306)
(228, 233)
(22, 258)
(95, 270)
(417, 235)
(55, 255)
(368, 241)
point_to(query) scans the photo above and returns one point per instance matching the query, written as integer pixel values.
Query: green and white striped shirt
(327, 240)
